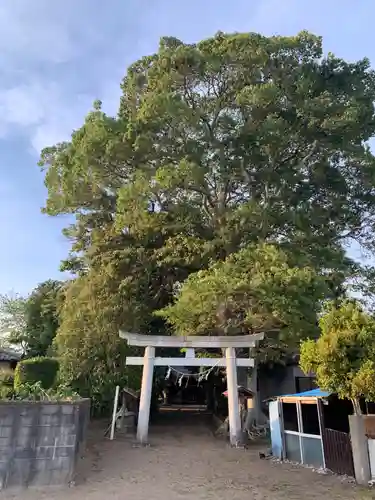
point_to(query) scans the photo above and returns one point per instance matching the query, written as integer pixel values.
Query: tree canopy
(92, 355)
(233, 142)
(42, 317)
(31, 322)
(236, 139)
(255, 289)
(343, 358)
(12, 318)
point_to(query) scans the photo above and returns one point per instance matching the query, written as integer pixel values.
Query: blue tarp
(315, 393)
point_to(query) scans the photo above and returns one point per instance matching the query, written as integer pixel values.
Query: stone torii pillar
(146, 391)
(151, 342)
(235, 429)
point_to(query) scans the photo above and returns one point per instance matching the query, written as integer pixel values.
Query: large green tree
(237, 140)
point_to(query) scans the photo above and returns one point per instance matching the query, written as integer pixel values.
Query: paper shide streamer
(182, 376)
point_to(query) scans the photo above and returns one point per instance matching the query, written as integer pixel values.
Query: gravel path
(185, 463)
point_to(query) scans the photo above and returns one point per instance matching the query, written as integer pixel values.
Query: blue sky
(58, 56)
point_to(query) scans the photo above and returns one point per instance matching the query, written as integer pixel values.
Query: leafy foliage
(343, 357)
(7, 378)
(42, 317)
(92, 353)
(31, 322)
(255, 289)
(34, 370)
(6, 391)
(6, 384)
(36, 392)
(12, 318)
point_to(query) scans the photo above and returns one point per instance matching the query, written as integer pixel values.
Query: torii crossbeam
(230, 361)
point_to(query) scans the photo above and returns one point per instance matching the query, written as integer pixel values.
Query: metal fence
(338, 452)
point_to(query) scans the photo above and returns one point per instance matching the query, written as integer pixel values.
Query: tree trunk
(356, 406)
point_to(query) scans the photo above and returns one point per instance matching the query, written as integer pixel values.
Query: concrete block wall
(40, 442)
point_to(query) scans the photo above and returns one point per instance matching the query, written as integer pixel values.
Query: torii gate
(230, 343)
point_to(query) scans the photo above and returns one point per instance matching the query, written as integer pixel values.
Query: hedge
(33, 370)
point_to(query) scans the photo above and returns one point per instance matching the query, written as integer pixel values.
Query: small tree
(343, 358)
(13, 320)
(259, 288)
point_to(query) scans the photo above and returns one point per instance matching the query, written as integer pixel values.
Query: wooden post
(319, 407)
(300, 430)
(115, 406)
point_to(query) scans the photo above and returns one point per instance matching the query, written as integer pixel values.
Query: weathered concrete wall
(40, 442)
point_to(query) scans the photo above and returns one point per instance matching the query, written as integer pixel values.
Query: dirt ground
(189, 463)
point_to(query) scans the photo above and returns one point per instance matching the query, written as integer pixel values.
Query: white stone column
(146, 390)
(235, 432)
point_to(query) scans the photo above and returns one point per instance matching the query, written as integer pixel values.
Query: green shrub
(6, 379)
(6, 392)
(34, 370)
(6, 384)
(35, 392)
(100, 388)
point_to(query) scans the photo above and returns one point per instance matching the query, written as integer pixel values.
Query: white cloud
(25, 105)
(34, 34)
(40, 94)
(40, 31)
(34, 30)
(41, 111)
